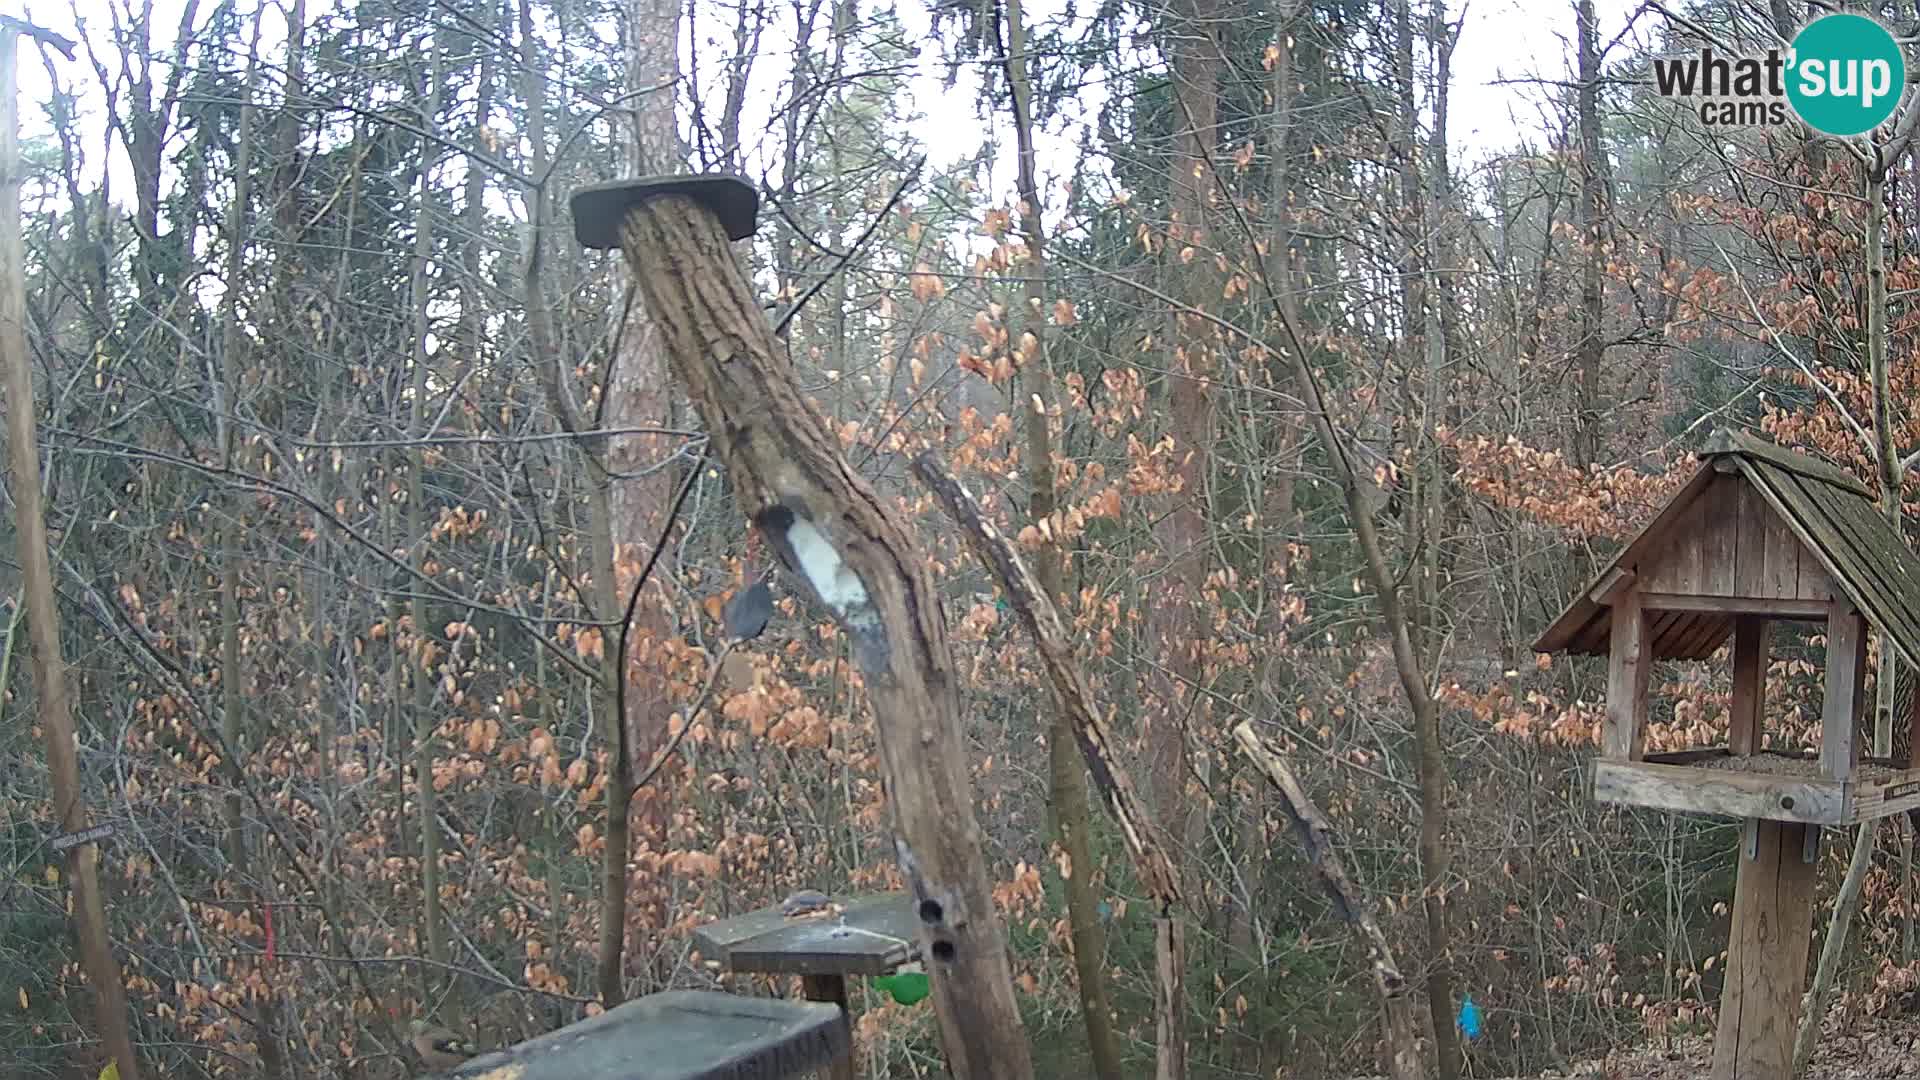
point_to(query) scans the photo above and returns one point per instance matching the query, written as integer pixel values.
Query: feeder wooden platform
(1773, 786)
(1757, 534)
(862, 935)
(678, 1035)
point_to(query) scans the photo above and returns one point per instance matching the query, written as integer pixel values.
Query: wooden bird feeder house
(1757, 535)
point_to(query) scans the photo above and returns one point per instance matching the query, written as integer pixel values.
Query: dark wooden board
(1784, 551)
(1864, 552)
(1680, 566)
(1582, 613)
(1880, 572)
(1720, 539)
(1733, 441)
(1788, 526)
(875, 937)
(1703, 637)
(678, 1035)
(1746, 720)
(1756, 525)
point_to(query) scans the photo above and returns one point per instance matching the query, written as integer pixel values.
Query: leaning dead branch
(1073, 697)
(1316, 836)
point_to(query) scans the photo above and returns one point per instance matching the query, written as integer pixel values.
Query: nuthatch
(439, 1048)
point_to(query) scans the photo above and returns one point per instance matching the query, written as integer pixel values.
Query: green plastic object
(908, 986)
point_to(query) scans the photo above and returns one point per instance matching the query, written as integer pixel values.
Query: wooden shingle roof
(1831, 514)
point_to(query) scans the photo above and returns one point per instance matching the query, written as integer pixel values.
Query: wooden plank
(1749, 684)
(1791, 497)
(1815, 582)
(830, 990)
(1698, 639)
(1628, 661)
(1661, 627)
(678, 1035)
(1690, 789)
(1678, 567)
(1825, 557)
(1591, 638)
(1766, 958)
(1720, 537)
(1840, 710)
(1859, 552)
(1612, 581)
(1651, 535)
(1782, 556)
(1793, 608)
(1755, 523)
(1895, 795)
(869, 935)
(1732, 441)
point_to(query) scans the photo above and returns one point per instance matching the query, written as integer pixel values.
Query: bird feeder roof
(1744, 489)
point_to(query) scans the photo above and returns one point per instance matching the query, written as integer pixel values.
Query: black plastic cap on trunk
(600, 209)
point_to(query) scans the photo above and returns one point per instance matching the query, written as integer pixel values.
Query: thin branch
(1779, 343)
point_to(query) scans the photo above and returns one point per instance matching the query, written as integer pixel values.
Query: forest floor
(1868, 1049)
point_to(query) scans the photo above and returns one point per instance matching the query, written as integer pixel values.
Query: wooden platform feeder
(1757, 534)
(678, 1035)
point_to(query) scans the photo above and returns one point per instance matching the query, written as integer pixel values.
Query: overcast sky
(1501, 40)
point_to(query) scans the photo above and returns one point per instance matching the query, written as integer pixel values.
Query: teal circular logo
(1846, 74)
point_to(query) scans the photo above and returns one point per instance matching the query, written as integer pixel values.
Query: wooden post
(854, 553)
(1846, 672)
(1746, 728)
(1766, 957)
(832, 988)
(43, 617)
(1628, 660)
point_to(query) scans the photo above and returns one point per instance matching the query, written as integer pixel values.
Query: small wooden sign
(84, 836)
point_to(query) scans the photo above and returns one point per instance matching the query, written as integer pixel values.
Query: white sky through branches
(1510, 56)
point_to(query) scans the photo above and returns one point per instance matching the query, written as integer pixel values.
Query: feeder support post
(853, 551)
(1766, 955)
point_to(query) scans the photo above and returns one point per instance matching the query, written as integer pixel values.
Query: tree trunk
(1073, 700)
(419, 660)
(1067, 776)
(36, 571)
(226, 397)
(1430, 763)
(861, 563)
(1174, 627)
(1316, 837)
(1590, 349)
(610, 965)
(1429, 758)
(637, 395)
(1847, 903)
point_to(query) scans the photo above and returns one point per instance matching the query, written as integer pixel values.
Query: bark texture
(849, 545)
